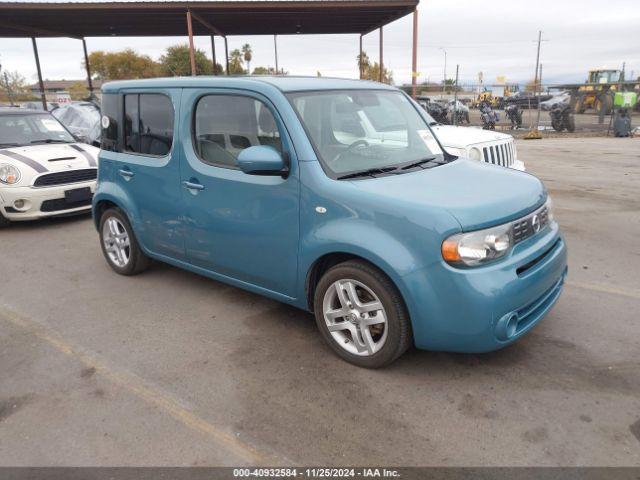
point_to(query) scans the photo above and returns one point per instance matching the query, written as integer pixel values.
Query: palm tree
(235, 62)
(246, 50)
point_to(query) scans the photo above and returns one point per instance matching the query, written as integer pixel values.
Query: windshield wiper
(50, 140)
(370, 172)
(422, 162)
(9, 144)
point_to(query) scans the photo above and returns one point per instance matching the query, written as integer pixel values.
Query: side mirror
(262, 160)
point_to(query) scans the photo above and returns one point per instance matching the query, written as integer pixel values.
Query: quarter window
(109, 122)
(227, 124)
(148, 124)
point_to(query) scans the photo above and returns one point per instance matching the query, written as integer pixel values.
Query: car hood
(51, 157)
(478, 195)
(461, 137)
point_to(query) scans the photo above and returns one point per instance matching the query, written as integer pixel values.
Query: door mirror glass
(261, 160)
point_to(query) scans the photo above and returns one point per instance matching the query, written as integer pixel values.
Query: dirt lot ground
(169, 368)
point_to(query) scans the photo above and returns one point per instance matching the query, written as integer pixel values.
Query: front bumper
(35, 198)
(482, 309)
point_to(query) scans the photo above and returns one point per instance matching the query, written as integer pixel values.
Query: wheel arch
(113, 197)
(327, 260)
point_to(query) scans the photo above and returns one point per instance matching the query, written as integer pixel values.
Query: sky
(495, 37)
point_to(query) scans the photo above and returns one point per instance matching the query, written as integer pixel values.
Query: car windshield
(365, 130)
(30, 129)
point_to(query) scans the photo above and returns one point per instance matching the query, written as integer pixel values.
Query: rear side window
(148, 124)
(109, 122)
(227, 124)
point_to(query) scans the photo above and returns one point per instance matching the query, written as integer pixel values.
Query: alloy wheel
(116, 242)
(355, 317)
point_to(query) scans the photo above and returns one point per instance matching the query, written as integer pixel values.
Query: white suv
(477, 144)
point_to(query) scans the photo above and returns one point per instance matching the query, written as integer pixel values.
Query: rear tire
(361, 315)
(119, 244)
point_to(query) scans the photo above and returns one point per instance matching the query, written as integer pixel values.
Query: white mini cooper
(43, 170)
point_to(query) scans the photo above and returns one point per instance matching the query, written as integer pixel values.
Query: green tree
(177, 62)
(247, 54)
(371, 71)
(79, 91)
(264, 71)
(121, 65)
(13, 86)
(219, 69)
(236, 63)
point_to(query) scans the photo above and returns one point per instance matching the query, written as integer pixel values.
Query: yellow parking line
(136, 386)
(625, 292)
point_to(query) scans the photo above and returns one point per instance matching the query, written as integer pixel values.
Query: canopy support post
(380, 75)
(87, 67)
(226, 53)
(275, 49)
(414, 57)
(360, 60)
(213, 53)
(192, 53)
(40, 82)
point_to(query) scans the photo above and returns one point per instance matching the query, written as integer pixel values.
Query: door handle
(192, 186)
(126, 174)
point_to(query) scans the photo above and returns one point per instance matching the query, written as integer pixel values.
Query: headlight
(475, 154)
(483, 246)
(9, 174)
(549, 205)
(475, 248)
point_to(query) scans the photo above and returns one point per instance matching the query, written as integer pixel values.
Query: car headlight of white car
(9, 175)
(475, 154)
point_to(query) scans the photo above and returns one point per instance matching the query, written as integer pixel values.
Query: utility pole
(455, 99)
(444, 79)
(539, 89)
(534, 133)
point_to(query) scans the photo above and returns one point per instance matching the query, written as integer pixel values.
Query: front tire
(361, 315)
(4, 222)
(119, 244)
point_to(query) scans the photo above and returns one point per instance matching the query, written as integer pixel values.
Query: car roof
(19, 111)
(284, 83)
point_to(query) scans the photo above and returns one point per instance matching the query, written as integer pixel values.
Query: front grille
(66, 177)
(530, 225)
(60, 204)
(500, 154)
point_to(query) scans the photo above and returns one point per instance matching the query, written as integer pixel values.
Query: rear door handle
(193, 186)
(127, 174)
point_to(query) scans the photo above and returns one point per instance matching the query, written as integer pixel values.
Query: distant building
(53, 86)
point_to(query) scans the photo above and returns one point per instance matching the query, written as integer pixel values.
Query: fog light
(507, 327)
(19, 204)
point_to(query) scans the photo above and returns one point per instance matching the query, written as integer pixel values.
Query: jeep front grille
(499, 154)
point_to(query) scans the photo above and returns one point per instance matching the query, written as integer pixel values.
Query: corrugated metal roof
(167, 17)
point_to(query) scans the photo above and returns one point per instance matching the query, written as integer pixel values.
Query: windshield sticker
(52, 125)
(430, 141)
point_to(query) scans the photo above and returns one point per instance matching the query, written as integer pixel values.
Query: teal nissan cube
(333, 196)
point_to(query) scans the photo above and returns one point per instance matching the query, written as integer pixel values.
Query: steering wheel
(355, 144)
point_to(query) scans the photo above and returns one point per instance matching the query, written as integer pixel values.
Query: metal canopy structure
(149, 19)
(225, 17)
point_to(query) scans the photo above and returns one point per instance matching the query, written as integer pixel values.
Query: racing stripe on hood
(26, 160)
(87, 155)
